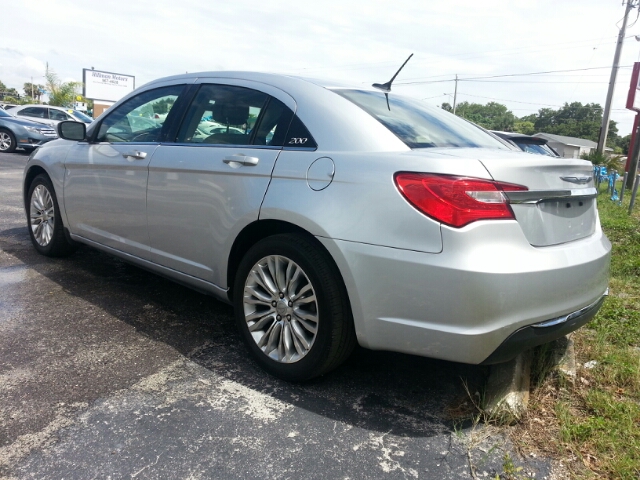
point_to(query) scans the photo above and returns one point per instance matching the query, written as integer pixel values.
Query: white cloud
(353, 41)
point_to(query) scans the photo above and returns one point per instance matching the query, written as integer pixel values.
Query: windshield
(536, 149)
(419, 125)
(81, 116)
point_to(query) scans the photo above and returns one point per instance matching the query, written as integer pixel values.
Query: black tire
(7, 141)
(55, 244)
(335, 335)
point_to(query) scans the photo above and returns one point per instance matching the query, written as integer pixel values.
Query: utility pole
(606, 115)
(455, 95)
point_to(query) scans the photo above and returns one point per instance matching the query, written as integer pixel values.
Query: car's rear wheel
(292, 308)
(7, 141)
(45, 223)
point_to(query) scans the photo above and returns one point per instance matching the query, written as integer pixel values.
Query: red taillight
(456, 201)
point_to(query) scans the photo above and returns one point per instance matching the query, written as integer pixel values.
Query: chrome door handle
(135, 155)
(239, 159)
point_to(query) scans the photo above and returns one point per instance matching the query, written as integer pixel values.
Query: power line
(531, 103)
(509, 75)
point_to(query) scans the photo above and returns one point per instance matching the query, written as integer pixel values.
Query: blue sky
(350, 41)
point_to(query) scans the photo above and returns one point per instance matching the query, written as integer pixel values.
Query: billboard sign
(106, 86)
(633, 98)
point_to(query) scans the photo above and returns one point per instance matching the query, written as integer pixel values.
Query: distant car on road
(527, 143)
(49, 114)
(22, 133)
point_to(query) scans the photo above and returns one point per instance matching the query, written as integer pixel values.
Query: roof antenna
(386, 87)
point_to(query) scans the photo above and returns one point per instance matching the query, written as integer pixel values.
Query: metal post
(610, 185)
(624, 185)
(633, 164)
(606, 115)
(634, 193)
(455, 95)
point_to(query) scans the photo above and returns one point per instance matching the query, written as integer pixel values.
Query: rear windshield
(419, 125)
(537, 149)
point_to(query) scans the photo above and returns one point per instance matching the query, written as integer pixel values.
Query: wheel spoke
(308, 325)
(258, 296)
(305, 300)
(265, 337)
(299, 334)
(287, 341)
(274, 338)
(260, 324)
(302, 291)
(267, 279)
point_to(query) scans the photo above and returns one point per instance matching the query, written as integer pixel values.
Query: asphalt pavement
(108, 371)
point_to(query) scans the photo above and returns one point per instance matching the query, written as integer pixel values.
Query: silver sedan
(329, 215)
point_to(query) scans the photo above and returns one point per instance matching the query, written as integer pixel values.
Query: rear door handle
(135, 155)
(239, 159)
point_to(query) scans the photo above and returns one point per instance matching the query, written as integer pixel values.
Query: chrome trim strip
(537, 196)
(578, 180)
(577, 313)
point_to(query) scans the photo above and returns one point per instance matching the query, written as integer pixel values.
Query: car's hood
(24, 123)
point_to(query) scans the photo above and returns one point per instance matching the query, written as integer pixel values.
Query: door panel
(105, 194)
(106, 180)
(197, 204)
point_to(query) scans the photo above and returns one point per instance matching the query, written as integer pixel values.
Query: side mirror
(69, 130)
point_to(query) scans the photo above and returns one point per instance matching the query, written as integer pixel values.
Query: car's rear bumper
(543, 332)
(465, 303)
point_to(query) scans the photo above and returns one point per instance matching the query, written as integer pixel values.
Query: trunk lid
(560, 205)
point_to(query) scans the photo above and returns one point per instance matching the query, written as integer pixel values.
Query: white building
(570, 147)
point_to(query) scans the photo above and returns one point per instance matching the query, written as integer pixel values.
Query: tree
(492, 116)
(33, 90)
(446, 106)
(60, 94)
(7, 94)
(525, 127)
(575, 120)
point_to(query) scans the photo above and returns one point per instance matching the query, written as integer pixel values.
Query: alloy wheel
(42, 215)
(281, 309)
(5, 141)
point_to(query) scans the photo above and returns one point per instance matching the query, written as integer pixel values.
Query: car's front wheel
(7, 141)
(292, 308)
(45, 223)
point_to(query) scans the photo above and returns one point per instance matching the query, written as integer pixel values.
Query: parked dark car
(22, 133)
(527, 143)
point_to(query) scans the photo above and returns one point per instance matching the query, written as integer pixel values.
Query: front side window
(141, 118)
(419, 125)
(58, 115)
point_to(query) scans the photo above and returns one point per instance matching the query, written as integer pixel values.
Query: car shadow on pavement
(378, 391)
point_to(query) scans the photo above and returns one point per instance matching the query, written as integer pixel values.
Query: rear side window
(37, 112)
(222, 115)
(298, 136)
(419, 125)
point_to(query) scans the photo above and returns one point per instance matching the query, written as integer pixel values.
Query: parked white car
(48, 114)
